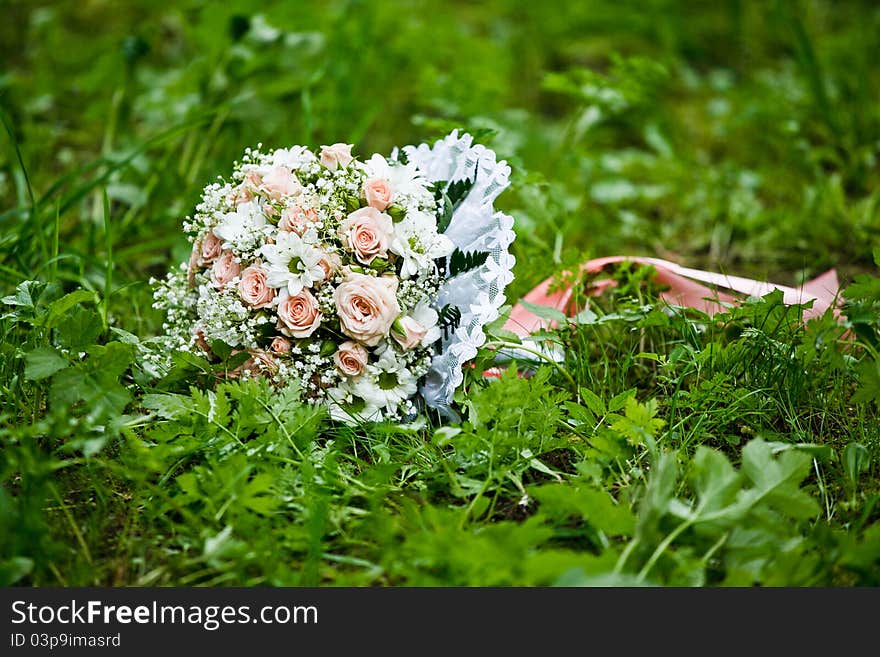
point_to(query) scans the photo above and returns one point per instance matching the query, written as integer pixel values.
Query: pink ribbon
(687, 288)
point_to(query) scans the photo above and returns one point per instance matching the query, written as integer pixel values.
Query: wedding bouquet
(367, 283)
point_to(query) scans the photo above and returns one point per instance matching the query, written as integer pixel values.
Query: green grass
(669, 448)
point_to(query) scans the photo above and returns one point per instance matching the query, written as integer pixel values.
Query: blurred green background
(728, 134)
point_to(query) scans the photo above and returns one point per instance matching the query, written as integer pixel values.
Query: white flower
(425, 315)
(416, 241)
(405, 179)
(387, 383)
(292, 263)
(293, 158)
(241, 229)
(346, 406)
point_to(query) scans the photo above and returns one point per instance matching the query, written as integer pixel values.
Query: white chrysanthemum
(242, 229)
(405, 179)
(387, 383)
(292, 263)
(418, 244)
(293, 158)
(345, 405)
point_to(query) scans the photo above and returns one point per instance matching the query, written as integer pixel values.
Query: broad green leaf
(617, 402)
(585, 317)
(824, 453)
(43, 362)
(580, 414)
(221, 349)
(593, 401)
(716, 484)
(58, 311)
(597, 507)
(112, 359)
(168, 406)
(80, 329)
(545, 312)
(24, 295)
(777, 480)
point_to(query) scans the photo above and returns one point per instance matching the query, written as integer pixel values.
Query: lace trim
(475, 226)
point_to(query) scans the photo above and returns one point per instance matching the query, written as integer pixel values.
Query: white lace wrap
(475, 226)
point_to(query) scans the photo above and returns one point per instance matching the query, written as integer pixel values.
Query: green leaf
(777, 480)
(111, 359)
(94, 382)
(444, 218)
(585, 317)
(593, 401)
(43, 362)
(617, 402)
(168, 406)
(869, 382)
(449, 196)
(221, 349)
(24, 295)
(259, 495)
(640, 423)
(234, 361)
(80, 328)
(58, 310)
(658, 495)
(101, 394)
(545, 312)
(856, 460)
(716, 484)
(14, 569)
(580, 414)
(457, 191)
(597, 507)
(461, 261)
(448, 319)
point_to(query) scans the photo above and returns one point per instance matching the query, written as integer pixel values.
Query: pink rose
(351, 358)
(295, 219)
(337, 155)
(262, 360)
(252, 182)
(331, 263)
(408, 332)
(280, 182)
(239, 195)
(378, 193)
(367, 306)
(252, 287)
(259, 360)
(367, 232)
(298, 314)
(280, 345)
(209, 248)
(225, 269)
